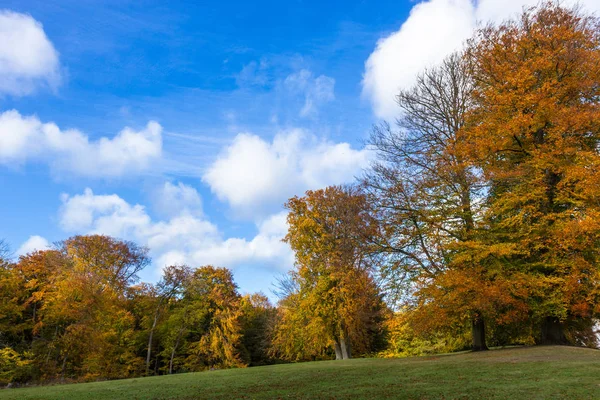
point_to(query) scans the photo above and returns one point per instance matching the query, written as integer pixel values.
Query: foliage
(14, 367)
(337, 304)
(76, 313)
(487, 194)
(404, 341)
(214, 305)
(258, 319)
(534, 132)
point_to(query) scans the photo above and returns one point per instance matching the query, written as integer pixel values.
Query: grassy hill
(518, 373)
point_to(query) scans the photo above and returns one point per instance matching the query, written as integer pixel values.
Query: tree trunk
(478, 332)
(50, 347)
(63, 369)
(338, 351)
(150, 342)
(553, 332)
(173, 354)
(171, 360)
(345, 349)
(179, 334)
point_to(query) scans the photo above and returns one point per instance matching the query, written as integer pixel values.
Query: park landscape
(462, 263)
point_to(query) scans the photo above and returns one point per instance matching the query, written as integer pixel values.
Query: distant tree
(169, 287)
(212, 317)
(11, 301)
(257, 322)
(88, 305)
(76, 312)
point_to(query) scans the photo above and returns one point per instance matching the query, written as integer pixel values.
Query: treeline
(478, 224)
(77, 313)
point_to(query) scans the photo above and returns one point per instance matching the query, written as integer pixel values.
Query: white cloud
(267, 246)
(316, 91)
(107, 214)
(173, 199)
(25, 138)
(433, 30)
(32, 244)
(183, 238)
(498, 11)
(255, 176)
(27, 58)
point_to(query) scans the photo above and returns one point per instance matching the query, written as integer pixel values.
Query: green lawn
(517, 373)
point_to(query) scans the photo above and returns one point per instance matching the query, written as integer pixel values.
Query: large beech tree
(425, 195)
(534, 131)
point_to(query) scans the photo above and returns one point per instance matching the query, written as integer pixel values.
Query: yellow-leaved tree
(333, 301)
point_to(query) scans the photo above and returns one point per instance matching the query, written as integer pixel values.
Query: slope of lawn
(517, 373)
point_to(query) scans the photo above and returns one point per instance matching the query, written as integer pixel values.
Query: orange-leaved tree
(534, 132)
(427, 196)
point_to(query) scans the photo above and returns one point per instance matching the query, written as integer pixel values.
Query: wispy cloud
(315, 90)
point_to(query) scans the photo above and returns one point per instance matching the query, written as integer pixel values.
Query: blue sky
(184, 126)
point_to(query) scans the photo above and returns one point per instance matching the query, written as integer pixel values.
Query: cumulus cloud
(265, 246)
(172, 199)
(32, 244)
(433, 30)
(24, 138)
(254, 175)
(182, 238)
(316, 91)
(27, 58)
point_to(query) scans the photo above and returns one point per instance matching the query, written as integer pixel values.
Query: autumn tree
(88, 306)
(77, 312)
(426, 196)
(168, 288)
(211, 319)
(13, 333)
(37, 272)
(34, 277)
(337, 301)
(257, 323)
(534, 132)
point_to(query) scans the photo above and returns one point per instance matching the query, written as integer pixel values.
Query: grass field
(517, 373)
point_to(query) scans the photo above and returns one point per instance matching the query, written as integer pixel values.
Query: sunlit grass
(516, 373)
